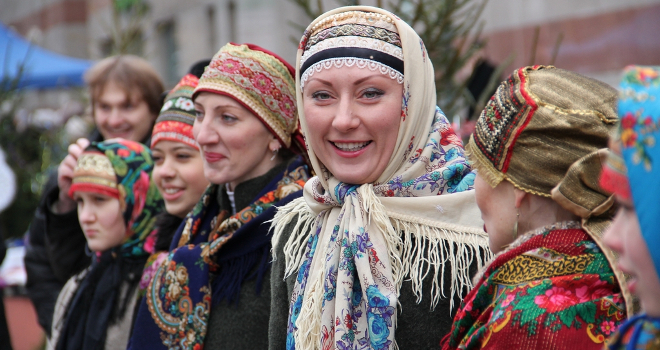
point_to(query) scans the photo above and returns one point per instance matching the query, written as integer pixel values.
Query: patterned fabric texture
(177, 116)
(131, 165)
(641, 332)
(526, 136)
(176, 309)
(639, 107)
(98, 302)
(635, 175)
(262, 82)
(353, 244)
(546, 131)
(366, 39)
(551, 289)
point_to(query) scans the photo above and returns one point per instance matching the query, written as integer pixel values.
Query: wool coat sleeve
(280, 291)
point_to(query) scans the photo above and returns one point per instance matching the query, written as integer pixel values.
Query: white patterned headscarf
(353, 244)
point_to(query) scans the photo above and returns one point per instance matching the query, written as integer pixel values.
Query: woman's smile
(350, 149)
(353, 118)
(212, 157)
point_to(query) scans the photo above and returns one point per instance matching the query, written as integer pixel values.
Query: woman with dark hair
(212, 290)
(117, 204)
(126, 97)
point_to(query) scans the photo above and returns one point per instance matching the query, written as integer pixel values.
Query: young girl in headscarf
(632, 174)
(212, 290)
(117, 205)
(178, 168)
(382, 243)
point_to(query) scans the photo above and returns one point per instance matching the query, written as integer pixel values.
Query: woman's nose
(166, 169)
(85, 214)
(206, 135)
(345, 118)
(611, 236)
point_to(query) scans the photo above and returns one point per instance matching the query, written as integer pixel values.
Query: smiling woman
(354, 117)
(247, 130)
(381, 246)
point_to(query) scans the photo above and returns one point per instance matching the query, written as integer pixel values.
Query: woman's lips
(172, 194)
(213, 157)
(350, 149)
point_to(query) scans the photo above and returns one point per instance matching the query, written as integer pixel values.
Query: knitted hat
(260, 81)
(366, 39)
(177, 116)
(546, 130)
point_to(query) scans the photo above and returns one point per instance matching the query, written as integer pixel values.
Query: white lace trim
(353, 41)
(350, 62)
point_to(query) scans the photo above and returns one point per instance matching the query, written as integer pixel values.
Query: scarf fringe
(294, 248)
(419, 250)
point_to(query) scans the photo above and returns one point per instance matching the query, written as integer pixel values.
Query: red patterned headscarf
(260, 81)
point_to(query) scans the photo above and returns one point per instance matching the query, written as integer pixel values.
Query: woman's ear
(519, 196)
(274, 144)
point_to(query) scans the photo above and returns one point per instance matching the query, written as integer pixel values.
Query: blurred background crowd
(47, 45)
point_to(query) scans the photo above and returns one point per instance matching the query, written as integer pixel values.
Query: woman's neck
(540, 212)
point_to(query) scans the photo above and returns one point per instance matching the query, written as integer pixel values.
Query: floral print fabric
(554, 283)
(639, 107)
(350, 265)
(638, 333)
(198, 272)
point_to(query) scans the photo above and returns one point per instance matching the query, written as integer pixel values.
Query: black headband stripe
(354, 52)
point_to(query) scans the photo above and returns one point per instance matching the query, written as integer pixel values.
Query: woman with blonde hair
(382, 243)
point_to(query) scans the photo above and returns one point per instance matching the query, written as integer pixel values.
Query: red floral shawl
(552, 289)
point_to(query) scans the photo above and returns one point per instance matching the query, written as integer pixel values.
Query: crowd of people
(330, 205)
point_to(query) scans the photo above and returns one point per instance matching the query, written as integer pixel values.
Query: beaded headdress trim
(368, 40)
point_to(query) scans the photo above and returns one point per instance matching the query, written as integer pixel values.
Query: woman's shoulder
(549, 254)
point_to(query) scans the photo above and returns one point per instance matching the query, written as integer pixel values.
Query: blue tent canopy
(41, 68)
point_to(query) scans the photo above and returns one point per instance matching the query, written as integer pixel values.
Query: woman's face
(118, 114)
(179, 175)
(498, 211)
(353, 118)
(101, 220)
(235, 144)
(625, 238)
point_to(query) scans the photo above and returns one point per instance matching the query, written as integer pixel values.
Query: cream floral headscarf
(353, 245)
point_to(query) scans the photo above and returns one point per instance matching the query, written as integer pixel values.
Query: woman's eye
(373, 93)
(157, 159)
(228, 118)
(183, 156)
(99, 199)
(199, 114)
(320, 95)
